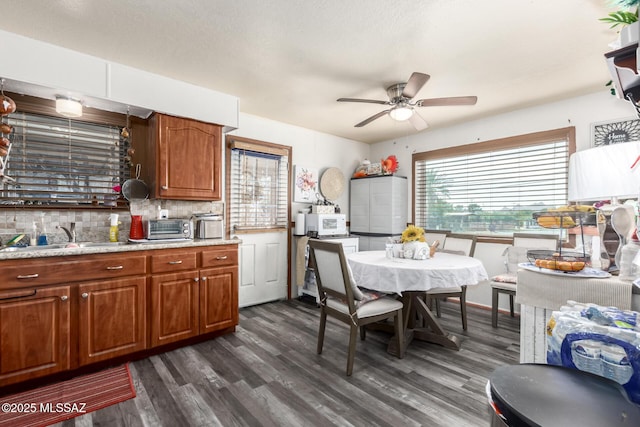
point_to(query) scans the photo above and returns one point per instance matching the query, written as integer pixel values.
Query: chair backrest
(460, 242)
(432, 235)
(514, 255)
(333, 276)
(536, 241)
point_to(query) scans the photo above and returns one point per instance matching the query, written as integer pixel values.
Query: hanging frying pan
(135, 189)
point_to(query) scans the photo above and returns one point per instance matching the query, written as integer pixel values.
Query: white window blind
(259, 195)
(494, 191)
(54, 160)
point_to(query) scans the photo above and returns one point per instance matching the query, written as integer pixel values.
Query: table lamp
(608, 172)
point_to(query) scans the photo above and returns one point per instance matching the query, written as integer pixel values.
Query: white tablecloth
(372, 270)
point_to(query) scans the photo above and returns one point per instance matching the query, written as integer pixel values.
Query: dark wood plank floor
(268, 374)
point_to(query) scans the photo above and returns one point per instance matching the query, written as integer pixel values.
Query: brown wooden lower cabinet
(35, 326)
(191, 303)
(218, 298)
(63, 313)
(111, 318)
(174, 302)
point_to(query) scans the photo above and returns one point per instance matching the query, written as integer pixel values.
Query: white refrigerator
(378, 209)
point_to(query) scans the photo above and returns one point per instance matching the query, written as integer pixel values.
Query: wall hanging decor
(305, 184)
(614, 132)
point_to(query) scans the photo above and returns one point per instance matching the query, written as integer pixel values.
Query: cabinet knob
(221, 258)
(204, 279)
(64, 298)
(195, 279)
(164, 187)
(175, 262)
(85, 295)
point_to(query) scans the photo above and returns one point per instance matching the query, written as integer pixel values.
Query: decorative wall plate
(332, 184)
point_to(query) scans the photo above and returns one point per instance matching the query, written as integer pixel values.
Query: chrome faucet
(71, 231)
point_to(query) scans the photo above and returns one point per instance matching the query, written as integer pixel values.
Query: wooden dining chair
(506, 282)
(341, 298)
(460, 244)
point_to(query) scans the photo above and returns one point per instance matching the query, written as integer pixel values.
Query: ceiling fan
(401, 99)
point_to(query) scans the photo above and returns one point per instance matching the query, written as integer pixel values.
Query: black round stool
(549, 395)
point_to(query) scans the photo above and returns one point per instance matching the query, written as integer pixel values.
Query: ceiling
(290, 60)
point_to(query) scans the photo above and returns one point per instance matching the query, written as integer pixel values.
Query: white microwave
(326, 224)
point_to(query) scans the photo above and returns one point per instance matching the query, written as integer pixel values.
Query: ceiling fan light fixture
(68, 107)
(401, 113)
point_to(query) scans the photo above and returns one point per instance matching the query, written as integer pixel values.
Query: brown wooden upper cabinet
(184, 159)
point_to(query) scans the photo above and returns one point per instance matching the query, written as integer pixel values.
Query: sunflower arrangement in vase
(414, 244)
(413, 234)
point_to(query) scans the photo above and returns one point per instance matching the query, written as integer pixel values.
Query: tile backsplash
(93, 225)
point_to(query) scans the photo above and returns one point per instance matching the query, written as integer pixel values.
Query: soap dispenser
(113, 230)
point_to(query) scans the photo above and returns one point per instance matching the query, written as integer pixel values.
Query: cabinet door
(174, 307)
(189, 159)
(359, 205)
(34, 333)
(218, 298)
(112, 318)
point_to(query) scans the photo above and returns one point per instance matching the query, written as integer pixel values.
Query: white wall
(580, 112)
(311, 149)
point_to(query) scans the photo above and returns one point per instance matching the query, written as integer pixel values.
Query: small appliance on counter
(163, 229)
(209, 226)
(325, 225)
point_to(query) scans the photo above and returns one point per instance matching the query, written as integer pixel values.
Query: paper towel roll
(299, 229)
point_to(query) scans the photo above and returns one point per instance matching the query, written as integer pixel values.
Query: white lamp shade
(68, 107)
(605, 173)
(401, 113)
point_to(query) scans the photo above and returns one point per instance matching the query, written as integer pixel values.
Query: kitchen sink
(97, 244)
(34, 248)
(62, 246)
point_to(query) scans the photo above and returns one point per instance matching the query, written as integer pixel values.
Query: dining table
(409, 279)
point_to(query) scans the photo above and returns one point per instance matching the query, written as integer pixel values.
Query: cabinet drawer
(54, 271)
(221, 257)
(173, 261)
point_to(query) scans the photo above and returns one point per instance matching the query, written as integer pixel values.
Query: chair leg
(363, 333)
(438, 313)
(398, 319)
(511, 305)
(353, 334)
(323, 322)
(494, 307)
(463, 307)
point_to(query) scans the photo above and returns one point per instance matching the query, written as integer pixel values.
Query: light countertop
(114, 248)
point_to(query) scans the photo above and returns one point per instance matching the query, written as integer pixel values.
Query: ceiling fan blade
(415, 83)
(372, 118)
(417, 121)
(454, 100)
(369, 101)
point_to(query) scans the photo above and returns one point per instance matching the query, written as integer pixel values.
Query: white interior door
(263, 268)
(258, 194)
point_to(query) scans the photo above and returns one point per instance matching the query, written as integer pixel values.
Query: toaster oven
(209, 226)
(160, 229)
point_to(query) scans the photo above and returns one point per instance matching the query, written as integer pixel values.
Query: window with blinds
(258, 187)
(58, 161)
(494, 187)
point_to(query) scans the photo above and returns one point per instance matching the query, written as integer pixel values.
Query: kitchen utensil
(7, 105)
(5, 128)
(622, 224)
(135, 189)
(136, 231)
